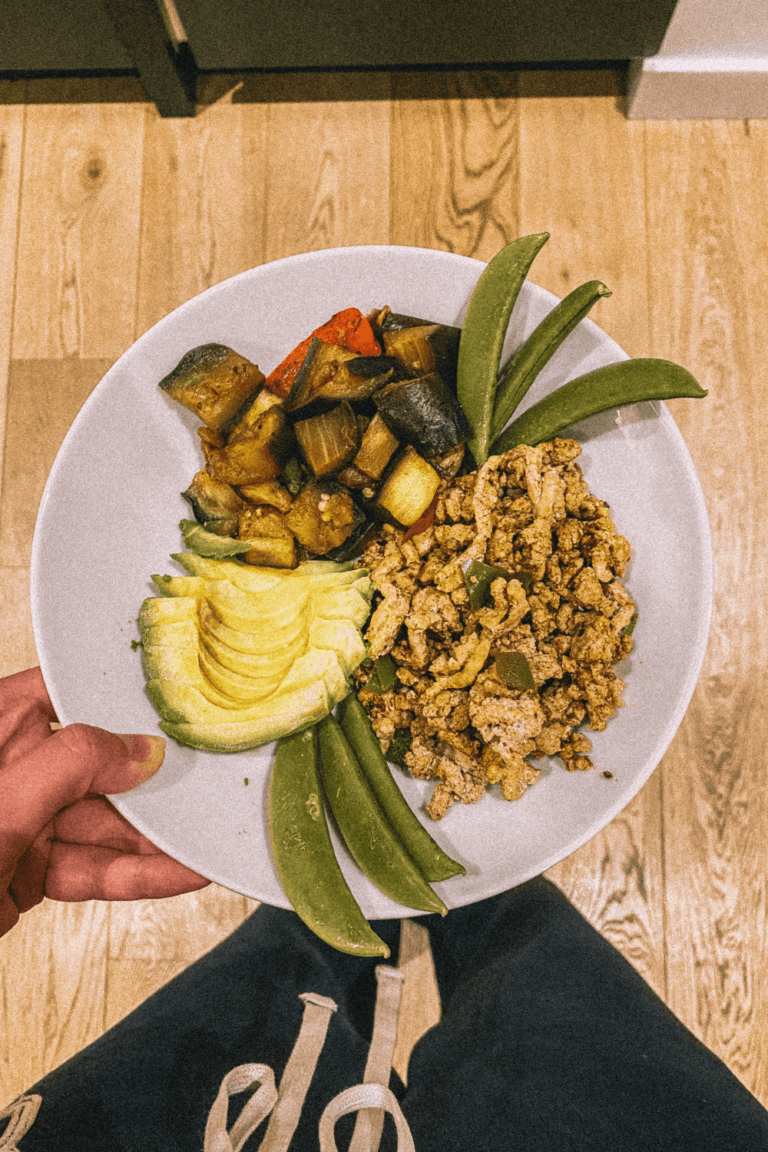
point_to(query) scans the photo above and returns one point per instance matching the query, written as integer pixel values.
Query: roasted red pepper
(349, 329)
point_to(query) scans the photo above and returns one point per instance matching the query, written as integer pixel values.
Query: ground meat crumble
(527, 511)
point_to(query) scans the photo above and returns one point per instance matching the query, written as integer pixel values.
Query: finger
(95, 821)
(88, 872)
(9, 913)
(71, 763)
(26, 714)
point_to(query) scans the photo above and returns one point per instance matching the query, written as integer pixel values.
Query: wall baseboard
(697, 88)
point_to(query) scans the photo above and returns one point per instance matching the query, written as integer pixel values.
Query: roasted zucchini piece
(321, 518)
(330, 440)
(409, 489)
(259, 455)
(425, 348)
(377, 447)
(355, 382)
(424, 412)
(214, 504)
(214, 382)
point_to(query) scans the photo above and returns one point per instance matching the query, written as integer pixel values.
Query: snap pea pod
(374, 845)
(482, 336)
(541, 345)
(628, 382)
(303, 852)
(433, 862)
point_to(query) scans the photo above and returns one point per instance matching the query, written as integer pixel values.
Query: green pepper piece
(399, 745)
(478, 578)
(541, 345)
(628, 629)
(303, 851)
(628, 382)
(383, 676)
(513, 669)
(482, 336)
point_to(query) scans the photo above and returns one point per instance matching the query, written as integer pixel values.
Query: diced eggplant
(258, 456)
(319, 366)
(425, 348)
(214, 382)
(356, 542)
(350, 477)
(409, 488)
(323, 517)
(448, 463)
(330, 440)
(267, 492)
(389, 321)
(257, 406)
(376, 449)
(214, 504)
(346, 384)
(424, 412)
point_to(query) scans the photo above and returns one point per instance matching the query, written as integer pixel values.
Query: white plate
(109, 519)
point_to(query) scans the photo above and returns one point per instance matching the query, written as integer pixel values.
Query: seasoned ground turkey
(527, 512)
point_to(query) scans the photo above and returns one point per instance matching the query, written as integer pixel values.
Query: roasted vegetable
(349, 329)
(425, 348)
(259, 454)
(330, 440)
(272, 542)
(320, 365)
(408, 490)
(267, 492)
(320, 520)
(213, 382)
(376, 449)
(514, 671)
(349, 384)
(423, 412)
(216, 505)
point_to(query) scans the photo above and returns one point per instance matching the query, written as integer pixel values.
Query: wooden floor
(110, 217)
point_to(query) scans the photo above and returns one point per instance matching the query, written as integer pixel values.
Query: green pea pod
(303, 852)
(628, 382)
(426, 853)
(482, 336)
(541, 345)
(374, 845)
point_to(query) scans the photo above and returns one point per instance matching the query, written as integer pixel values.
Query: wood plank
(582, 180)
(708, 236)
(327, 169)
(182, 928)
(44, 396)
(455, 168)
(203, 197)
(78, 243)
(11, 138)
(17, 641)
(52, 980)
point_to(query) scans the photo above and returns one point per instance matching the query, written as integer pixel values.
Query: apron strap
(20, 1116)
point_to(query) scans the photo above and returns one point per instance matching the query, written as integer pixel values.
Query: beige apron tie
(370, 1119)
(20, 1116)
(370, 1099)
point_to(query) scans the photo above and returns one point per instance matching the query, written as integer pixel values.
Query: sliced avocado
(342, 604)
(156, 610)
(254, 665)
(243, 689)
(247, 577)
(187, 586)
(343, 637)
(210, 544)
(254, 643)
(180, 703)
(181, 666)
(316, 664)
(248, 613)
(181, 634)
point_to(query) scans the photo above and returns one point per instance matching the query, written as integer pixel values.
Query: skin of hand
(59, 835)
